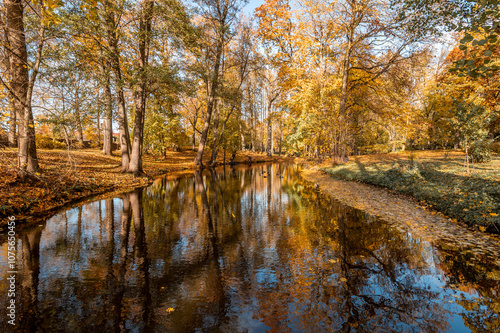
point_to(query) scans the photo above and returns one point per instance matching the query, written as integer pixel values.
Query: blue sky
(251, 5)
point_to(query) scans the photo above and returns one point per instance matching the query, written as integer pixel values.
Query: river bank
(437, 179)
(70, 177)
(406, 215)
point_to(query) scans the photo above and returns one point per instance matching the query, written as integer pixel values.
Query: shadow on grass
(473, 200)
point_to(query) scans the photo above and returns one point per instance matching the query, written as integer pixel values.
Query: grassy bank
(68, 177)
(438, 179)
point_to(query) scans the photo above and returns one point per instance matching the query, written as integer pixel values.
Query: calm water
(254, 249)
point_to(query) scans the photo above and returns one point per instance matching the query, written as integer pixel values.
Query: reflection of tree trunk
(205, 206)
(218, 287)
(110, 239)
(118, 291)
(213, 185)
(79, 231)
(142, 255)
(29, 279)
(200, 187)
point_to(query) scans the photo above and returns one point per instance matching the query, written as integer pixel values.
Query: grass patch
(436, 178)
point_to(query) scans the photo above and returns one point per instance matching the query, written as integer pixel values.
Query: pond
(245, 249)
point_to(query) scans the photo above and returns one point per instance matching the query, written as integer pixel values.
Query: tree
(476, 20)
(217, 19)
(23, 75)
(140, 88)
(238, 63)
(5, 68)
(112, 12)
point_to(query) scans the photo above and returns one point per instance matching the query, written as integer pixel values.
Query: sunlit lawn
(438, 178)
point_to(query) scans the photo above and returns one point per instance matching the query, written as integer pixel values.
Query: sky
(251, 5)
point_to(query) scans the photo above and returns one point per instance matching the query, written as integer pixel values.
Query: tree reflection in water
(250, 249)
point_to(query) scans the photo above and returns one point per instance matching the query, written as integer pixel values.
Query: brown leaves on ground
(67, 177)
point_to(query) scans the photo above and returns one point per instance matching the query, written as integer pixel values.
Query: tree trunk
(340, 150)
(145, 19)
(12, 138)
(79, 127)
(114, 57)
(135, 165)
(98, 120)
(213, 158)
(108, 117)
(219, 140)
(194, 139)
(210, 105)
(269, 131)
(21, 85)
(243, 148)
(281, 138)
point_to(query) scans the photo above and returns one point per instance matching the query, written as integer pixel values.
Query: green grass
(439, 181)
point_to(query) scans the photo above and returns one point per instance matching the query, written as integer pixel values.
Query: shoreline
(405, 214)
(58, 189)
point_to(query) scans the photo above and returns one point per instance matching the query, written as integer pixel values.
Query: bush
(46, 142)
(495, 147)
(78, 145)
(480, 151)
(375, 149)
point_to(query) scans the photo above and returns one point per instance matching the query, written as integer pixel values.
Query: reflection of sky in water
(267, 257)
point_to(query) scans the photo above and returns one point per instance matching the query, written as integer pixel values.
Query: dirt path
(408, 216)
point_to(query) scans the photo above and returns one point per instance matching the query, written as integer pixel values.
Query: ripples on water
(252, 249)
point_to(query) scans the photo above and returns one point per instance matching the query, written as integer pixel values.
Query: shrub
(78, 145)
(375, 149)
(480, 151)
(46, 142)
(495, 147)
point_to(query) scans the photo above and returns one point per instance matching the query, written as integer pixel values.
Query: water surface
(251, 249)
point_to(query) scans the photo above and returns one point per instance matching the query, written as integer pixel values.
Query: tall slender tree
(218, 18)
(23, 75)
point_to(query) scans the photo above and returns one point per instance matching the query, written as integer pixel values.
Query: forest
(250, 166)
(321, 79)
